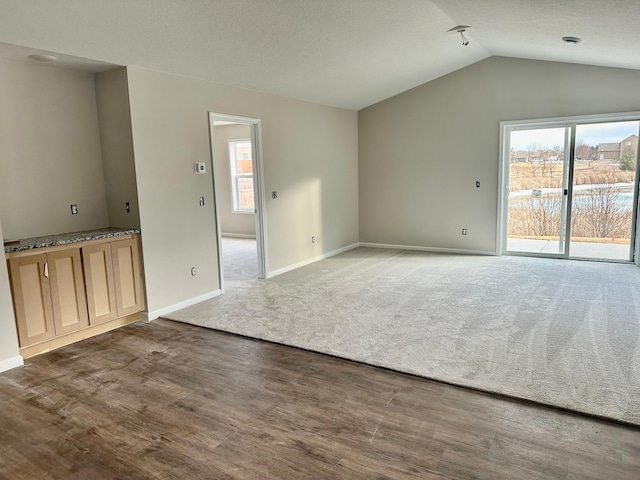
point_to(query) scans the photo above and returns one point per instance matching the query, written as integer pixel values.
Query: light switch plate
(200, 167)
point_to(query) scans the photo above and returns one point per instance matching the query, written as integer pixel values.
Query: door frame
(572, 121)
(255, 125)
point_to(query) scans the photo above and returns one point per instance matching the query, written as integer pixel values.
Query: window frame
(234, 177)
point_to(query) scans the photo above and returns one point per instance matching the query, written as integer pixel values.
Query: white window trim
(233, 178)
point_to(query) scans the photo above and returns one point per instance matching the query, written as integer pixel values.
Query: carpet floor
(559, 332)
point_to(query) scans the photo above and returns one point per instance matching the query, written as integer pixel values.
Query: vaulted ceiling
(347, 53)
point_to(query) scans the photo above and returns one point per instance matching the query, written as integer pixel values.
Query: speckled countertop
(65, 238)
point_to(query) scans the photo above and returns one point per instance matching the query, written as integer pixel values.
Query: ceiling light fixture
(571, 40)
(461, 29)
(43, 58)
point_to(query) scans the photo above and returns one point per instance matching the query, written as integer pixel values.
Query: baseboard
(148, 316)
(459, 251)
(238, 235)
(78, 335)
(10, 363)
(280, 271)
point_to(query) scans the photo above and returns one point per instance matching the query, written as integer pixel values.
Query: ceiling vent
(571, 40)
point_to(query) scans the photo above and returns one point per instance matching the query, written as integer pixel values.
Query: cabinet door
(31, 298)
(67, 290)
(98, 276)
(126, 269)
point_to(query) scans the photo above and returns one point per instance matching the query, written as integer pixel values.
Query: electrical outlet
(193, 271)
(464, 231)
(477, 183)
(201, 201)
(313, 239)
(274, 195)
(74, 209)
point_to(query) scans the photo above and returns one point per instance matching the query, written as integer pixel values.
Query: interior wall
(310, 157)
(9, 354)
(421, 152)
(49, 151)
(114, 118)
(230, 223)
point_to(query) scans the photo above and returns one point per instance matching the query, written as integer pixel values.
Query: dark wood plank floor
(173, 401)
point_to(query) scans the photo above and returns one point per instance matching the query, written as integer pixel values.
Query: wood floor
(172, 401)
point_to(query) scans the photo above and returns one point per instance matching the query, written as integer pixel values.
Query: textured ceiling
(347, 53)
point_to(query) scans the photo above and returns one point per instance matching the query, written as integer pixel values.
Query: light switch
(200, 168)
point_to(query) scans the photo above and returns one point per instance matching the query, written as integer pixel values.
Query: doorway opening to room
(239, 198)
(570, 188)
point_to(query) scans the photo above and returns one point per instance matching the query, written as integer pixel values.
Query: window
(241, 176)
(628, 144)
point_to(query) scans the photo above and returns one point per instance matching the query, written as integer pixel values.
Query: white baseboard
(154, 314)
(10, 363)
(273, 273)
(460, 251)
(238, 235)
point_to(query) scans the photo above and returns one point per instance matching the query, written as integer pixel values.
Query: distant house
(614, 151)
(519, 156)
(629, 146)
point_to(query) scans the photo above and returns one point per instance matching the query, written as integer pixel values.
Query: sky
(591, 134)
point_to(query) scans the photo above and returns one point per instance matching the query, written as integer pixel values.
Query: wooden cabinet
(49, 297)
(126, 268)
(32, 298)
(101, 290)
(114, 281)
(65, 291)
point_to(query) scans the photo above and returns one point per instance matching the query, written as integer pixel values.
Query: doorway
(570, 188)
(239, 198)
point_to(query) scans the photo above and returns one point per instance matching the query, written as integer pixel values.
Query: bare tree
(597, 213)
(583, 151)
(535, 217)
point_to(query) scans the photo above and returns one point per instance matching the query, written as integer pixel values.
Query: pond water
(550, 197)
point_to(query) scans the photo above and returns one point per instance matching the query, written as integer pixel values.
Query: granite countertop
(66, 238)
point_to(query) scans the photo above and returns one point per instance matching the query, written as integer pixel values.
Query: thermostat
(200, 167)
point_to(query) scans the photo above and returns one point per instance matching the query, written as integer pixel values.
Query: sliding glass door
(537, 190)
(602, 207)
(571, 190)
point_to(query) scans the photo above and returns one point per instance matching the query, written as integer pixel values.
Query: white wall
(310, 158)
(9, 354)
(230, 222)
(112, 95)
(49, 151)
(421, 152)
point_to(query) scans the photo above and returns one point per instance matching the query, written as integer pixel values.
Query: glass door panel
(537, 190)
(604, 190)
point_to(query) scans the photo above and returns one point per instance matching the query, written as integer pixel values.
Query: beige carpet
(564, 333)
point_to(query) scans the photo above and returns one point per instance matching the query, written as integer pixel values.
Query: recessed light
(43, 58)
(571, 40)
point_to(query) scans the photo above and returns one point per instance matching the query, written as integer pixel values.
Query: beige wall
(8, 335)
(421, 152)
(310, 158)
(112, 94)
(230, 223)
(49, 151)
